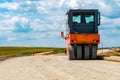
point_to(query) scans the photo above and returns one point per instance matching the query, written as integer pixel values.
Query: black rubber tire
(71, 53)
(79, 52)
(86, 52)
(94, 52)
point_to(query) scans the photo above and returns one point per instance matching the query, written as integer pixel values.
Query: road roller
(82, 36)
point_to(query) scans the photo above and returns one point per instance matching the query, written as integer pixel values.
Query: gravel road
(58, 67)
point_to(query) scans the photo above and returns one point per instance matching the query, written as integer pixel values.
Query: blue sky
(39, 22)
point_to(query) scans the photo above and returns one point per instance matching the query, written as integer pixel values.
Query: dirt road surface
(58, 67)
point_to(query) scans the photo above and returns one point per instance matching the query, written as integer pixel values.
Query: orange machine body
(81, 39)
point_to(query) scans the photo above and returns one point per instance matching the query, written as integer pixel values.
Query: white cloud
(45, 6)
(104, 7)
(61, 2)
(50, 23)
(110, 22)
(38, 25)
(24, 20)
(11, 39)
(13, 20)
(40, 36)
(72, 4)
(42, 9)
(10, 5)
(116, 22)
(8, 24)
(117, 2)
(6, 28)
(28, 2)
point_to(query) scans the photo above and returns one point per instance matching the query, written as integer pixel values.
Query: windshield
(76, 19)
(89, 18)
(83, 18)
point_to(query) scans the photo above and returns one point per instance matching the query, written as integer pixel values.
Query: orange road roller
(82, 37)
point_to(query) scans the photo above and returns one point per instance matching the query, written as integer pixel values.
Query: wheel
(94, 52)
(71, 53)
(86, 52)
(79, 52)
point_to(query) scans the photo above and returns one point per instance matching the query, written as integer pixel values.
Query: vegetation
(28, 50)
(111, 52)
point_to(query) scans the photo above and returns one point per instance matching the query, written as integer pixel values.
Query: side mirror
(99, 18)
(62, 34)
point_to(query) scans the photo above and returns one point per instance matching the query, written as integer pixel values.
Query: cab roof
(81, 10)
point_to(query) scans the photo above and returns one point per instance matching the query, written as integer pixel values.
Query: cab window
(76, 19)
(89, 18)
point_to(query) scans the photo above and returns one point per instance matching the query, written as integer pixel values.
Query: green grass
(28, 50)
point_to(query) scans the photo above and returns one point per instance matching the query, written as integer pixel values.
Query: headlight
(94, 41)
(75, 41)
